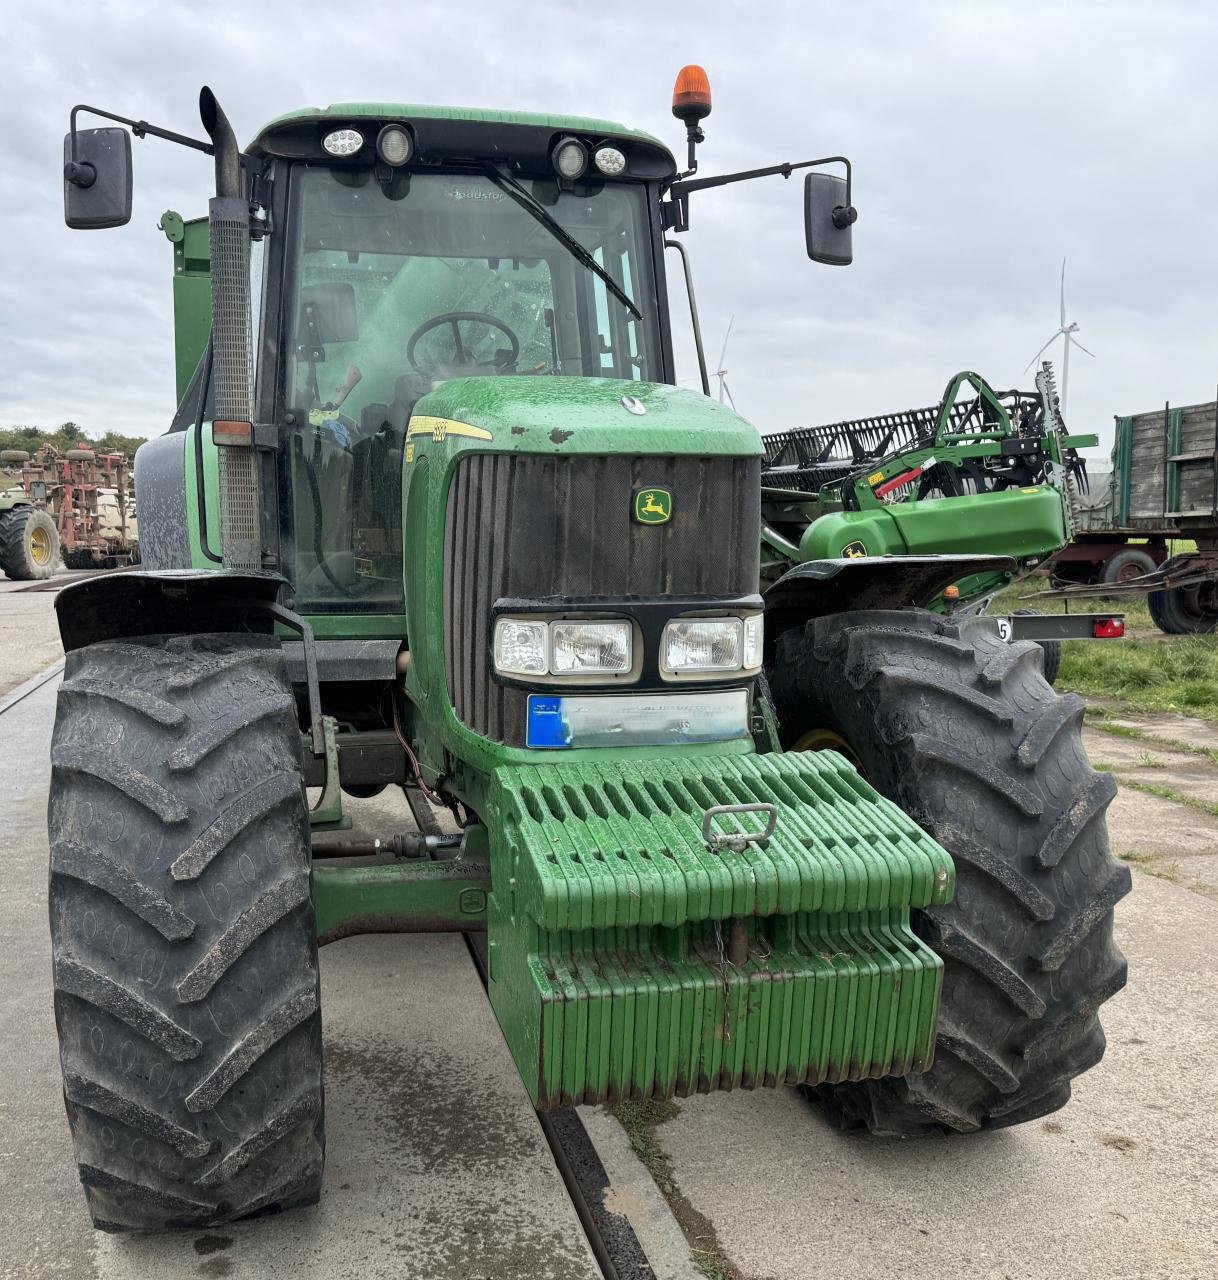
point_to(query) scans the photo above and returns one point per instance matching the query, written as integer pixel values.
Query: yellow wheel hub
(40, 546)
(828, 740)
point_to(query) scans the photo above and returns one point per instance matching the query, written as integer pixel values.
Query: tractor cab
(417, 250)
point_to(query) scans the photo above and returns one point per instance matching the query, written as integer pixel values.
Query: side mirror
(828, 219)
(97, 181)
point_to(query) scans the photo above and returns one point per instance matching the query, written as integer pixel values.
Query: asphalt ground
(436, 1166)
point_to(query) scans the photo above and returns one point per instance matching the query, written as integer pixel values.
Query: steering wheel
(455, 319)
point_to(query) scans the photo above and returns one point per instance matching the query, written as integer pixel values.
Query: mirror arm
(679, 191)
(83, 175)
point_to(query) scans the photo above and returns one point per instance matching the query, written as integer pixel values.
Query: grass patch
(1170, 793)
(1151, 866)
(1179, 675)
(1097, 718)
(640, 1121)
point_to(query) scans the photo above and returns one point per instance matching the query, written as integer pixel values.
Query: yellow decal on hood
(438, 428)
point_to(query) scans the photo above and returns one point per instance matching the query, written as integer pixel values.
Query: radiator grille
(559, 527)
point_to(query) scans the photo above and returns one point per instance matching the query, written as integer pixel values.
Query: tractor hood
(582, 415)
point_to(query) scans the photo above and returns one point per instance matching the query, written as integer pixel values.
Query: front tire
(961, 730)
(182, 933)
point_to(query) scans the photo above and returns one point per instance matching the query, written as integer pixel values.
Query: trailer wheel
(79, 559)
(1185, 611)
(1052, 649)
(182, 933)
(962, 731)
(1127, 564)
(29, 544)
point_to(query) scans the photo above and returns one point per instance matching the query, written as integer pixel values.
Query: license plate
(558, 721)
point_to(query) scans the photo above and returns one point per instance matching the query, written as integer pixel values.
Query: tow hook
(737, 842)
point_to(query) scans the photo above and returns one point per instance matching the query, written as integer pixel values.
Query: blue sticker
(546, 726)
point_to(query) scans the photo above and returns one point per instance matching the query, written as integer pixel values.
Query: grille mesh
(556, 528)
(231, 372)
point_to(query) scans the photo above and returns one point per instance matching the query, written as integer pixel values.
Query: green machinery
(433, 513)
(980, 471)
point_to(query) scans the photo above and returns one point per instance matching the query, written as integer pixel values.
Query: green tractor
(29, 540)
(433, 513)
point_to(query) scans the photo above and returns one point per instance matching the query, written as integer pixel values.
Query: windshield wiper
(530, 204)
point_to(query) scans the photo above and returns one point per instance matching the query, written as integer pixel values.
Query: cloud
(988, 141)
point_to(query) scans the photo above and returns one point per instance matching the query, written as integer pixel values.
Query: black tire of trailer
(1051, 649)
(29, 544)
(187, 992)
(1118, 566)
(962, 731)
(80, 560)
(1185, 611)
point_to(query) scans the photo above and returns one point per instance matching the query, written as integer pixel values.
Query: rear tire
(961, 730)
(182, 933)
(29, 544)
(1185, 611)
(1126, 564)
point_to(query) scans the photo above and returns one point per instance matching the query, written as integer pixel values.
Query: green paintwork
(1122, 466)
(211, 492)
(327, 813)
(563, 415)
(191, 291)
(430, 897)
(1013, 522)
(609, 918)
(417, 111)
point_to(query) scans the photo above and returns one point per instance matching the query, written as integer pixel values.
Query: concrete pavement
(29, 635)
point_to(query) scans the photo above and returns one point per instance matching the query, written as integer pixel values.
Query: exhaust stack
(232, 365)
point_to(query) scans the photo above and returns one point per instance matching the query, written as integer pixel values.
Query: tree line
(68, 435)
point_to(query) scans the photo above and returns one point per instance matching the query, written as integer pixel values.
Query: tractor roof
(448, 132)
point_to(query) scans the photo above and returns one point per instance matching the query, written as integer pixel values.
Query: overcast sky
(989, 141)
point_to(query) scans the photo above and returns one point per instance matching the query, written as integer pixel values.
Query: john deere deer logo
(653, 506)
(854, 551)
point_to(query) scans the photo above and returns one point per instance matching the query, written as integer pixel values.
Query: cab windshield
(396, 287)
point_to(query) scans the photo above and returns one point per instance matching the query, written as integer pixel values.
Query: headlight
(520, 647)
(570, 158)
(343, 142)
(590, 648)
(523, 647)
(393, 145)
(692, 645)
(610, 161)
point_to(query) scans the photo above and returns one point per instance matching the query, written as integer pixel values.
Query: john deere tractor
(433, 513)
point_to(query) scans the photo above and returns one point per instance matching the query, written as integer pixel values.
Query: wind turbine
(721, 372)
(1066, 332)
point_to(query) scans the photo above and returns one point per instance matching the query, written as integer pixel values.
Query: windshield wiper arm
(532, 206)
